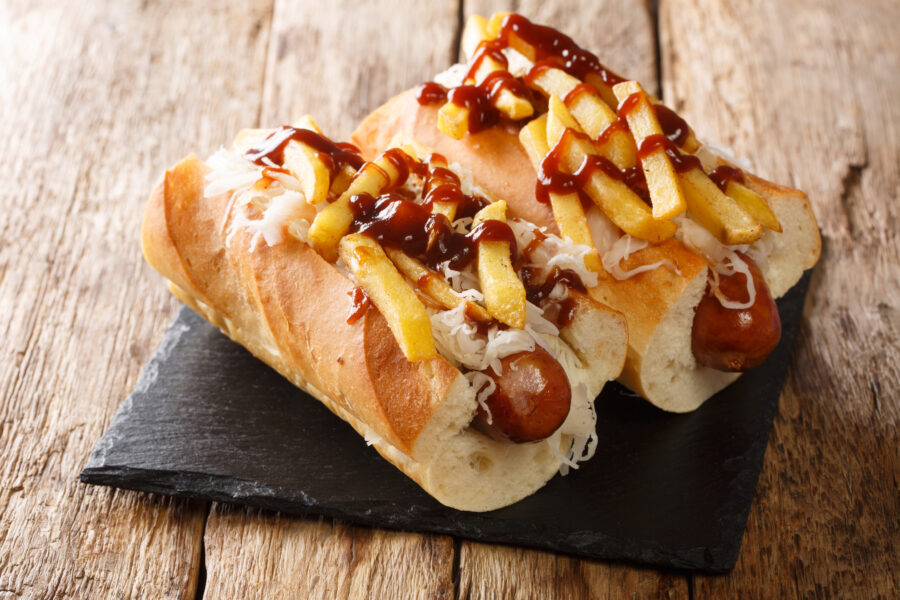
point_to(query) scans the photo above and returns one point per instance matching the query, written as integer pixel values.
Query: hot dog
(736, 339)
(678, 226)
(349, 278)
(532, 399)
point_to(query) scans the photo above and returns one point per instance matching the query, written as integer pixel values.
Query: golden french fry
(495, 211)
(453, 120)
(307, 122)
(572, 223)
(691, 143)
(384, 285)
(306, 164)
(716, 212)
(495, 23)
(533, 138)
(614, 197)
(509, 104)
(247, 138)
(662, 180)
(342, 180)
(606, 92)
(433, 285)
(592, 114)
(754, 204)
(474, 32)
(567, 209)
(504, 293)
(334, 221)
(558, 120)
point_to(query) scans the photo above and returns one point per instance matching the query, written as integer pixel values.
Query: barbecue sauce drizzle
(334, 155)
(553, 49)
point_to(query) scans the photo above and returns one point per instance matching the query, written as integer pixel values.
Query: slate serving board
(208, 420)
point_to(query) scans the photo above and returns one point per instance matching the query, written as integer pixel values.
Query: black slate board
(207, 420)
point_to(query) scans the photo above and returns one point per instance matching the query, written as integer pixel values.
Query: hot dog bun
(288, 306)
(659, 305)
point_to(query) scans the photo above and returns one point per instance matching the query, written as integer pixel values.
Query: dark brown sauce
(723, 174)
(628, 104)
(619, 124)
(537, 293)
(550, 44)
(394, 221)
(359, 306)
(335, 155)
(551, 179)
(487, 48)
(681, 162)
(477, 100)
(560, 311)
(675, 128)
(578, 90)
(566, 311)
(431, 92)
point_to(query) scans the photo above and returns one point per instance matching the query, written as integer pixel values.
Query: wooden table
(96, 98)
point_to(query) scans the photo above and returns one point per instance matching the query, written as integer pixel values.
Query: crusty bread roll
(289, 307)
(659, 305)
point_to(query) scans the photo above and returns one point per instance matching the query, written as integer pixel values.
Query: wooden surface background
(97, 98)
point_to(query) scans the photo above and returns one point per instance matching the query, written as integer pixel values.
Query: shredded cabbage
(723, 259)
(621, 250)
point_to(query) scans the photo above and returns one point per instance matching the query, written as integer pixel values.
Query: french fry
(453, 120)
(504, 293)
(433, 285)
(247, 138)
(384, 285)
(448, 209)
(662, 180)
(307, 122)
(332, 223)
(533, 138)
(495, 23)
(306, 164)
(754, 204)
(341, 181)
(716, 212)
(567, 209)
(691, 143)
(558, 120)
(474, 32)
(613, 196)
(591, 113)
(509, 104)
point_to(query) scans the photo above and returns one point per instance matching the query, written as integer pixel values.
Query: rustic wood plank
(259, 554)
(95, 99)
(505, 572)
(622, 34)
(341, 63)
(809, 90)
(336, 64)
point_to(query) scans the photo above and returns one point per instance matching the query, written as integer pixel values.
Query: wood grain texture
(259, 554)
(487, 572)
(94, 100)
(621, 33)
(340, 63)
(336, 64)
(808, 89)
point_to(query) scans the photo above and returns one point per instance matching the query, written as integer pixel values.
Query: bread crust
(289, 307)
(653, 302)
